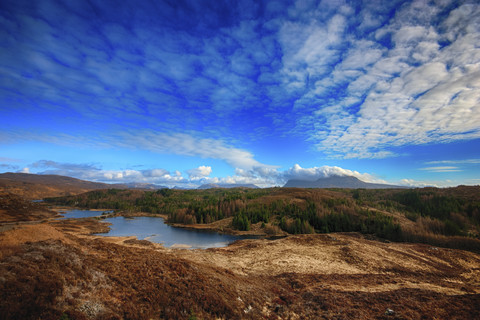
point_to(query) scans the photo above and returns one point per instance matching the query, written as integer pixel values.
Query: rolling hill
(37, 186)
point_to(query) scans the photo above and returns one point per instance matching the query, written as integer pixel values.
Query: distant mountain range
(227, 185)
(347, 182)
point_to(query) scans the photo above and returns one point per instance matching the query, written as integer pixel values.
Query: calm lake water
(155, 230)
(76, 213)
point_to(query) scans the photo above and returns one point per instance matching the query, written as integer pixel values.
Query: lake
(155, 230)
(77, 213)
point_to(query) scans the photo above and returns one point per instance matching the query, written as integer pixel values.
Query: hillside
(347, 182)
(38, 186)
(53, 180)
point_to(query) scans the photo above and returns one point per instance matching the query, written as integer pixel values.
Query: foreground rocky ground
(56, 269)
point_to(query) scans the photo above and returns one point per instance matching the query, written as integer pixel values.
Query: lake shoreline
(216, 229)
(223, 226)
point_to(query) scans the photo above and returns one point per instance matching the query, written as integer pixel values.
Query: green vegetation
(433, 212)
(456, 210)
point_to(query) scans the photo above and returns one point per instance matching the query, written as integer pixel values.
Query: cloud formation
(343, 79)
(362, 80)
(189, 145)
(416, 81)
(315, 173)
(199, 173)
(260, 176)
(92, 172)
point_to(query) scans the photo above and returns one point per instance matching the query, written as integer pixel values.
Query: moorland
(326, 253)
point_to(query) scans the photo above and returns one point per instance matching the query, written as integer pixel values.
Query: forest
(448, 216)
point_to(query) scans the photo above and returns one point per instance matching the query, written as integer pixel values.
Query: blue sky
(181, 93)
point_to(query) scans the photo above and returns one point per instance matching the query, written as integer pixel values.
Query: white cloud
(465, 161)
(314, 173)
(199, 173)
(155, 173)
(267, 177)
(417, 184)
(260, 176)
(434, 183)
(185, 144)
(155, 176)
(93, 173)
(309, 50)
(441, 169)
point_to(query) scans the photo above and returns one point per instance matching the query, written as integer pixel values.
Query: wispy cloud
(465, 161)
(185, 144)
(460, 165)
(193, 145)
(442, 169)
(10, 160)
(81, 171)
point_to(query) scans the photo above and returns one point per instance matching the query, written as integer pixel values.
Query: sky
(182, 93)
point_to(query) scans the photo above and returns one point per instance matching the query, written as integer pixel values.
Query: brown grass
(338, 276)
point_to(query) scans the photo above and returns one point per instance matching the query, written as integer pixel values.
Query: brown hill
(38, 186)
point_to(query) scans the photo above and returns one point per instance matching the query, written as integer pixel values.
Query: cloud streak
(189, 145)
(442, 169)
(465, 161)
